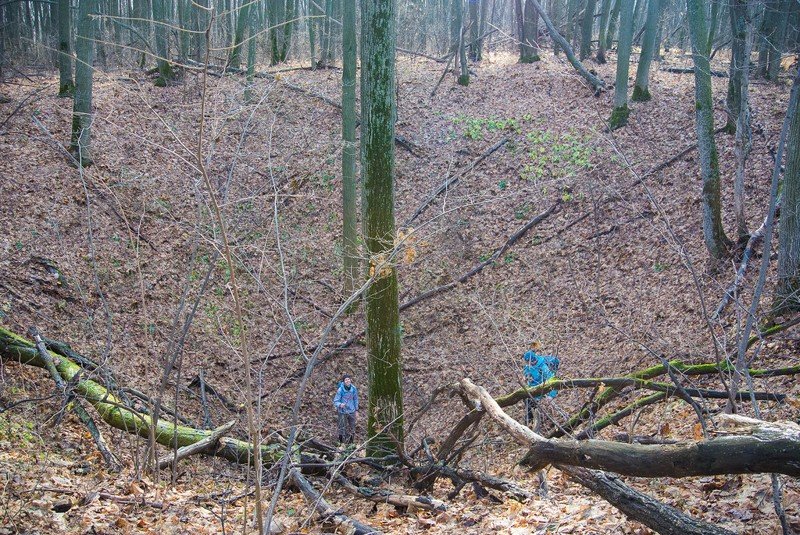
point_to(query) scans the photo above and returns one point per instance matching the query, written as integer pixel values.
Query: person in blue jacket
(537, 370)
(346, 403)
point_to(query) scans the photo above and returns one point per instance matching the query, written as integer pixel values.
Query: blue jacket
(539, 369)
(348, 397)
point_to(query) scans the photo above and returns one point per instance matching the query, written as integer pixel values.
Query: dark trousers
(347, 427)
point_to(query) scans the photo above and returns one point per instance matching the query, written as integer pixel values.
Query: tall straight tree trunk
(80, 145)
(474, 27)
(165, 72)
(65, 86)
(586, 28)
(619, 115)
(529, 47)
(641, 91)
(741, 12)
(385, 412)
(251, 53)
(463, 77)
(716, 241)
(788, 291)
(739, 61)
(777, 41)
(482, 29)
(605, 11)
(242, 22)
(349, 189)
(612, 23)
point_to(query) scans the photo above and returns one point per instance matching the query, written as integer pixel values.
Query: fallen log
(634, 504)
(112, 411)
(77, 407)
(200, 446)
(327, 512)
(385, 496)
(770, 448)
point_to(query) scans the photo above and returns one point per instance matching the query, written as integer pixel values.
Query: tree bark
(641, 90)
(788, 291)
(66, 86)
(619, 115)
(716, 241)
(350, 254)
(586, 28)
(384, 364)
(80, 145)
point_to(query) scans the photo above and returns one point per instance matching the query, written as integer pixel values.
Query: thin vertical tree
(529, 46)
(65, 86)
(641, 90)
(788, 291)
(739, 62)
(620, 113)
(166, 74)
(242, 23)
(605, 11)
(716, 241)
(612, 22)
(80, 145)
(385, 412)
(587, 24)
(349, 154)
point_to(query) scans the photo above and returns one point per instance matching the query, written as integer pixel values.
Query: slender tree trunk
(529, 47)
(739, 61)
(165, 72)
(463, 78)
(641, 91)
(474, 26)
(778, 40)
(481, 30)
(605, 11)
(586, 28)
(716, 241)
(66, 85)
(385, 412)
(788, 291)
(349, 189)
(80, 145)
(612, 23)
(742, 112)
(619, 115)
(251, 53)
(242, 21)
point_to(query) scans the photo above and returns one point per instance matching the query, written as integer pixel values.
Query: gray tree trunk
(165, 72)
(65, 86)
(80, 145)
(385, 412)
(586, 28)
(242, 20)
(619, 115)
(641, 90)
(605, 11)
(788, 292)
(716, 241)
(349, 189)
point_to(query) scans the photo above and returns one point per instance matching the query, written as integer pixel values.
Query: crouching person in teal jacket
(346, 403)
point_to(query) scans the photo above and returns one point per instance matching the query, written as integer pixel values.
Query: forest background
(177, 211)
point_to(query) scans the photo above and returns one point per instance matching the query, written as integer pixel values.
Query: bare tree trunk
(80, 145)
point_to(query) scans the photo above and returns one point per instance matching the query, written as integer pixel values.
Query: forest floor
(614, 277)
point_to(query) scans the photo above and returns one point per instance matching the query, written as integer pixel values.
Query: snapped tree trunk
(80, 145)
(716, 241)
(385, 411)
(619, 115)
(641, 91)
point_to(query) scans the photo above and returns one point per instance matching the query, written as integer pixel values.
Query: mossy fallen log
(14, 348)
